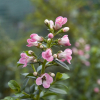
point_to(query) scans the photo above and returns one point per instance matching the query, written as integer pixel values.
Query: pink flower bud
(30, 52)
(65, 29)
(35, 60)
(96, 89)
(50, 35)
(46, 21)
(49, 40)
(51, 23)
(41, 46)
(35, 73)
(64, 41)
(52, 75)
(55, 55)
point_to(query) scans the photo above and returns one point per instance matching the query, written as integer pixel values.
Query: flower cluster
(82, 50)
(45, 45)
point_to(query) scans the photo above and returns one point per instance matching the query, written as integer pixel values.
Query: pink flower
(96, 89)
(87, 56)
(60, 21)
(31, 43)
(75, 51)
(64, 41)
(87, 47)
(24, 59)
(65, 29)
(47, 55)
(80, 52)
(44, 80)
(50, 35)
(35, 37)
(66, 55)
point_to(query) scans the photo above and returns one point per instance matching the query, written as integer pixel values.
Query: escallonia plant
(44, 84)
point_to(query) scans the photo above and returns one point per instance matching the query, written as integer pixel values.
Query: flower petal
(49, 79)
(46, 84)
(39, 81)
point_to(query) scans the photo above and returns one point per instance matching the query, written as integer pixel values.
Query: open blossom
(66, 55)
(31, 43)
(47, 55)
(80, 52)
(24, 59)
(50, 35)
(44, 80)
(59, 22)
(35, 37)
(64, 41)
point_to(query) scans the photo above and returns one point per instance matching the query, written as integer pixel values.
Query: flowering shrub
(44, 84)
(82, 50)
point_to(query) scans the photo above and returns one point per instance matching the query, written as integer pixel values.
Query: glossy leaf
(14, 85)
(32, 88)
(25, 83)
(39, 68)
(8, 98)
(61, 64)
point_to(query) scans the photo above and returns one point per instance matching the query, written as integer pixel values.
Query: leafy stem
(33, 68)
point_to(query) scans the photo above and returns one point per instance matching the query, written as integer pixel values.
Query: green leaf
(58, 76)
(32, 89)
(8, 98)
(64, 76)
(18, 64)
(61, 64)
(39, 68)
(14, 85)
(25, 83)
(48, 94)
(29, 75)
(57, 90)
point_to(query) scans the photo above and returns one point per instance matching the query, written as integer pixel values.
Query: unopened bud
(35, 73)
(49, 40)
(65, 29)
(30, 52)
(55, 55)
(41, 46)
(35, 60)
(52, 75)
(50, 35)
(46, 21)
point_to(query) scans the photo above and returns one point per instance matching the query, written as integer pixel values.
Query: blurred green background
(20, 18)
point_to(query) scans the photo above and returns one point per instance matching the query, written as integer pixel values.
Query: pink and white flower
(25, 59)
(35, 37)
(66, 55)
(44, 80)
(51, 23)
(31, 43)
(50, 35)
(47, 55)
(59, 22)
(64, 41)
